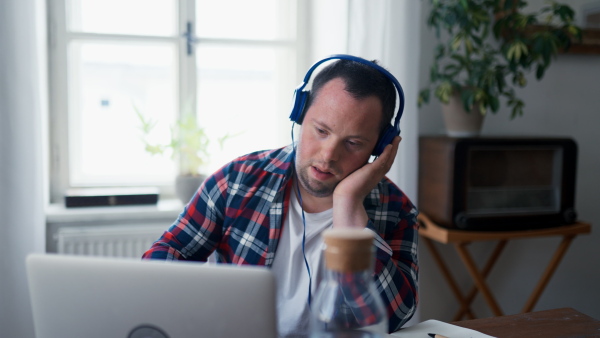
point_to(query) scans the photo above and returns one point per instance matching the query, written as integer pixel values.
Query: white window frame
(58, 79)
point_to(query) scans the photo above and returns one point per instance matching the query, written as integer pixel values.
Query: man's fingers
(389, 154)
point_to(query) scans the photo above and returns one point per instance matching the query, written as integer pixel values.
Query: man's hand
(348, 196)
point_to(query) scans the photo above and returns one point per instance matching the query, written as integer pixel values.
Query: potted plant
(188, 146)
(484, 50)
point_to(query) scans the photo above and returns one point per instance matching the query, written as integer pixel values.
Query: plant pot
(458, 122)
(187, 185)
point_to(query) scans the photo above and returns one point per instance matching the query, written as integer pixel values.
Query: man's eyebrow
(322, 125)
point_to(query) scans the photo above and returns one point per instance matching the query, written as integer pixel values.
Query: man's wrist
(349, 213)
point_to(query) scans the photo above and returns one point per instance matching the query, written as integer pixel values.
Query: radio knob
(569, 215)
(461, 220)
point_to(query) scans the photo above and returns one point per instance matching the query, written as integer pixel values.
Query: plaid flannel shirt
(238, 213)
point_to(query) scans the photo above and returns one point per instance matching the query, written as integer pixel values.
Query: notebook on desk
(78, 296)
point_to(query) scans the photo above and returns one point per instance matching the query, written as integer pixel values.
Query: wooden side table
(431, 232)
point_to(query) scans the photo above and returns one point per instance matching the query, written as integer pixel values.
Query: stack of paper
(423, 329)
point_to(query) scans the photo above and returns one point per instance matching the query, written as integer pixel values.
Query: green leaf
(517, 50)
(482, 108)
(510, 55)
(575, 32)
(467, 97)
(494, 103)
(539, 73)
(469, 46)
(451, 68)
(443, 91)
(440, 51)
(517, 109)
(537, 46)
(433, 73)
(500, 81)
(423, 97)
(456, 42)
(460, 59)
(154, 149)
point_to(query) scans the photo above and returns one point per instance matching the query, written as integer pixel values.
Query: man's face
(337, 137)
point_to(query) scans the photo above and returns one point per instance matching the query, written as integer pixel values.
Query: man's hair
(361, 82)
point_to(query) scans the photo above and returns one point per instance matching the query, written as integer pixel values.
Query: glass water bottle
(347, 303)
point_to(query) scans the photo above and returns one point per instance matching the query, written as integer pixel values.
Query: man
(270, 207)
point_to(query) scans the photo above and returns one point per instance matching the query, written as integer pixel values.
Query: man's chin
(320, 193)
(318, 190)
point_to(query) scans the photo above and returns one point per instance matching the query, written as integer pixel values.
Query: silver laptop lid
(79, 296)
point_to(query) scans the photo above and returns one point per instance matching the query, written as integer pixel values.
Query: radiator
(109, 241)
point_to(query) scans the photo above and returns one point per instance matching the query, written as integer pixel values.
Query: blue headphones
(301, 97)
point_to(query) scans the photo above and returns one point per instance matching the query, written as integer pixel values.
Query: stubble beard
(315, 188)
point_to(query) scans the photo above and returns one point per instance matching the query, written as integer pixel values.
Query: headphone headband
(301, 98)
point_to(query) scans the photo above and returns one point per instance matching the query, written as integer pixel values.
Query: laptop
(83, 296)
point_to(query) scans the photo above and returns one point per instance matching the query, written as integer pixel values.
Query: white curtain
(23, 107)
(388, 30)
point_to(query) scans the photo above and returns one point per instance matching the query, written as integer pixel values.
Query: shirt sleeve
(197, 230)
(396, 265)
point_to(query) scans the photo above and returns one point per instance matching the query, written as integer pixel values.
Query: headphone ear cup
(300, 98)
(386, 138)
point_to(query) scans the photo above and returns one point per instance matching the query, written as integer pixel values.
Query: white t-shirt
(290, 270)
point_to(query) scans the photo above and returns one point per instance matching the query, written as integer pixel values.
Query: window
(230, 63)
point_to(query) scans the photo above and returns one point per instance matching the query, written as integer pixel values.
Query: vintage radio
(484, 183)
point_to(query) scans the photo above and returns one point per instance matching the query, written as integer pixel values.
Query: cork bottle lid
(348, 249)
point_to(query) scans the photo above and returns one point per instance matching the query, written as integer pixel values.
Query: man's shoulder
(388, 195)
(388, 188)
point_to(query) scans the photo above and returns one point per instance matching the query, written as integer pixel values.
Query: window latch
(190, 39)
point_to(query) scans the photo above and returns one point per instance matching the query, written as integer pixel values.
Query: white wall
(22, 112)
(565, 103)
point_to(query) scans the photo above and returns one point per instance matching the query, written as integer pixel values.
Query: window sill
(58, 213)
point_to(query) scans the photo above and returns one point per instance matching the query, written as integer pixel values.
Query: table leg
(558, 255)
(478, 279)
(484, 273)
(448, 276)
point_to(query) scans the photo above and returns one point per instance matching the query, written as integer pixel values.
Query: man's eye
(353, 144)
(321, 131)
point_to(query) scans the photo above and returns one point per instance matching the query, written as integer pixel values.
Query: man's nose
(331, 150)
